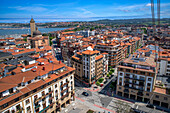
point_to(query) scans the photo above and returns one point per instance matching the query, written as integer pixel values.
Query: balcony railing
(65, 95)
(36, 107)
(65, 84)
(64, 90)
(140, 93)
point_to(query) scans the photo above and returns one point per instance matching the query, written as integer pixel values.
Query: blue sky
(79, 8)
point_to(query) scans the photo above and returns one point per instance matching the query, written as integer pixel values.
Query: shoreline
(16, 33)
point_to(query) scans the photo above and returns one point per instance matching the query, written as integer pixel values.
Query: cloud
(29, 8)
(149, 4)
(85, 11)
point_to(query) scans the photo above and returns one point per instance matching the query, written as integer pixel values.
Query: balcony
(64, 84)
(64, 90)
(64, 95)
(37, 99)
(57, 106)
(126, 90)
(128, 82)
(140, 93)
(46, 108)
(19, 110)
(36, 107)
(127, 76)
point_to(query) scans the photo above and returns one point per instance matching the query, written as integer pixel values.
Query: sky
(80, 8)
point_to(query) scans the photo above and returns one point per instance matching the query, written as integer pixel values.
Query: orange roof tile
(99, 57)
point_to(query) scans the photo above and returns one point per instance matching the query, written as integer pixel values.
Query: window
(34, 90)
(5, 105)
(56, 86)
(17, 99)
(165, 98)
(29, 82)
(49, 89)
(71, 77)
(148, 89)
(147, 94)
(149, 79)
(142, 72)
(28, 108)
(7, 111)
(150, 74)
(149, 84)
(157, 96)
(27, 101)
(134, 71)
(120, 88)
(26, 94)
(19, 85)
(128, 70)
(42, 86)
(43, 93)
(49, 83)
(56, 91)
(121, 74)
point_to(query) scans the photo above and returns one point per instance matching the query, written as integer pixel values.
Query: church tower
(32, 26)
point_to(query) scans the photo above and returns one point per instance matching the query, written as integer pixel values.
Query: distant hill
(146, 21)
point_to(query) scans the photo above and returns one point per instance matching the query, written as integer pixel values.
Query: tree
(25, 39)
(98, 83)
(122, 107)
(92, 28)
(110, 72)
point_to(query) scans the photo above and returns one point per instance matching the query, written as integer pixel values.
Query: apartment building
(90, 66)
(164, 61)
(45, 86)
(136, 80)
(114, 51)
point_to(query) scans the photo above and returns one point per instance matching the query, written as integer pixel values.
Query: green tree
(98, 83)
(25, 39)
(101, 80)
(92, 28)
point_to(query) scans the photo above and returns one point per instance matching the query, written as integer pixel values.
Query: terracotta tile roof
(24, 35)
(99, 57)
(10, 38)
(136, 38)
(20, 42)
(25, 51)
(160, 90)
(35, 85)
(2, 40)
(75, 57)
(104, 53)
(128, 44)
(68, 32)
(79, 36)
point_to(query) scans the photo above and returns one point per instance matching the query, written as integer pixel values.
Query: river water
(16, 33)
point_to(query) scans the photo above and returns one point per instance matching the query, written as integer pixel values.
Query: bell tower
(32, 26)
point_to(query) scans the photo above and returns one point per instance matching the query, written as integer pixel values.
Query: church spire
(32, 20)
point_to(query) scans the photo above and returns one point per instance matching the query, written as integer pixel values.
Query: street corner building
(137, 79)
(45, 86)
(90, 65)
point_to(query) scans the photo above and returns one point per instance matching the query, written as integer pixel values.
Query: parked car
(85, 94)
(95, 87)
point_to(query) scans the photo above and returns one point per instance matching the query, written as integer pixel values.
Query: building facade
(90, 66)
(46, 86)
(136, 80)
